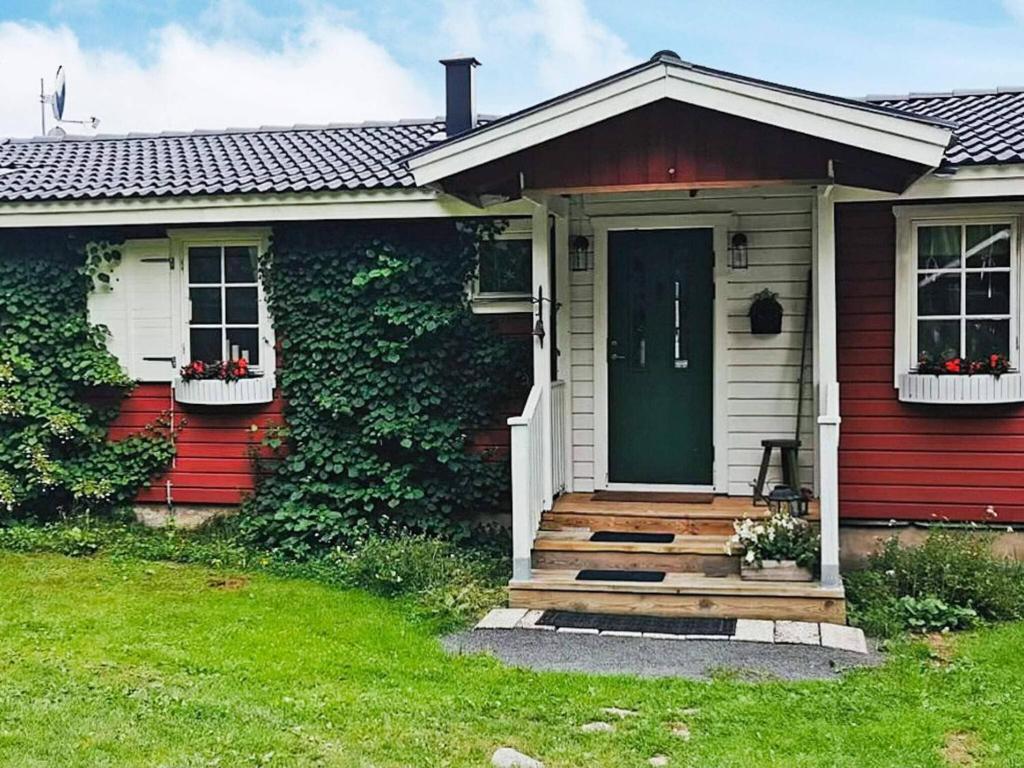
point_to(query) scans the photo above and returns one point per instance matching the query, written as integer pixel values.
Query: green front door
(660, 356)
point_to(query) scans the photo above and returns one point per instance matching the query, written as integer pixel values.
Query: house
(646, 211)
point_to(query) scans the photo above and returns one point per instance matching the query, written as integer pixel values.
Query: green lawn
(113, 663)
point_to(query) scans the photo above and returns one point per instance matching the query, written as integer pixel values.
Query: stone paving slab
(836, 636)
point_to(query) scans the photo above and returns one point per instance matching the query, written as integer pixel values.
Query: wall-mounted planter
(766, 314)
(259, 389)
(980, 389)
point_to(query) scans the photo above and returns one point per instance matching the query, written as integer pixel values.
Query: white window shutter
(150, 279)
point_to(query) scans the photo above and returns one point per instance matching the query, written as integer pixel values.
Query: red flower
(952, 366)
(994, 360)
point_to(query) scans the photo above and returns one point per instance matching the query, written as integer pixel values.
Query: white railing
(527, 479)
(559, 413)
(538, 466)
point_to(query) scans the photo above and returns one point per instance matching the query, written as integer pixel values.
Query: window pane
(939, 338)
(988, 293)
(988, 245)
(938, 294)
(505, 266)
(938, 247)
(204, 265)
(986, 337)
(241, 305)
(205, 305)
(205, 344)
(247, 340)
(240, 264)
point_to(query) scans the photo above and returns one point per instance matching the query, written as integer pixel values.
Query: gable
(669, 144)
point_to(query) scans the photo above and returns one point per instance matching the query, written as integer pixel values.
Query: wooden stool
(790, 471)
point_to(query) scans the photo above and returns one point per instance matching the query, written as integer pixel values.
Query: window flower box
(249, 391)
(978, 389)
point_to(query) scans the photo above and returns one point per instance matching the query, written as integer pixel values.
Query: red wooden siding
(668, 144)
(899, 460)
(215, 445)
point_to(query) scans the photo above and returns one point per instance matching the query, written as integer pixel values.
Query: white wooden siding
(762, 371)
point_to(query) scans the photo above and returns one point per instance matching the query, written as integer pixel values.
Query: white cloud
(549, 46)
(323, 71)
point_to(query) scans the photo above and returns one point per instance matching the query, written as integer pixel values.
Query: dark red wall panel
(899, 460)
(215, 446)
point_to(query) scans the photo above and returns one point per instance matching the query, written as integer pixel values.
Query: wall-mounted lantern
(579, 254)
(738, 258)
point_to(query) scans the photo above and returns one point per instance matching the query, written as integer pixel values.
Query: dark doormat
(653, 497)
(661, 624)
(628, 537)
(594, 574)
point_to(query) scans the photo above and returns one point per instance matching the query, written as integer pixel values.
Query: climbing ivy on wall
(386, 373)
(59, 386)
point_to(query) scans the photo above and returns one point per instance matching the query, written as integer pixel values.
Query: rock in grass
(506, 757)
(597, 727)
(681, 731)
(658, 761)
(622, 713)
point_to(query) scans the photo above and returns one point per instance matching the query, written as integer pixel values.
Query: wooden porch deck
(701, 577)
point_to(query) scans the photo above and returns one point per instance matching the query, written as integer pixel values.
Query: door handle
(612, 354)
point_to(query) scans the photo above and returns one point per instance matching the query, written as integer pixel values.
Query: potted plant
(777, 548)
(766, 313)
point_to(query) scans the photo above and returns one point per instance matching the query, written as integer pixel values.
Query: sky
(184, 64)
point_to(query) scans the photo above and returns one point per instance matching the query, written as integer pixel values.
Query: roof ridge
(956, 93)
(230, 131)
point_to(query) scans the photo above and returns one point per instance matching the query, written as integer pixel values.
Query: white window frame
(181, 241)
(909, 219)
(494, 302)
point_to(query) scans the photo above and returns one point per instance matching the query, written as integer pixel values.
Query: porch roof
(875, 128)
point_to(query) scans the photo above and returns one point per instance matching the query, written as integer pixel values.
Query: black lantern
(784, 499)
(579, 254)
(738, 252)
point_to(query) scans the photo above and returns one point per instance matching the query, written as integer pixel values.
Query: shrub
(949, 581)
(386, 373)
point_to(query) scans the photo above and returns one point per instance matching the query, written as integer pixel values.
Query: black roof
(988, 129)
(989, 124)
(233, 161)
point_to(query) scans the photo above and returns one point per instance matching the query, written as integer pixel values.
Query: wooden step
(573, 550)
(577, 511)
(681, 594)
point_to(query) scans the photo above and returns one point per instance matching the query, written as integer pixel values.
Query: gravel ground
(697, 659)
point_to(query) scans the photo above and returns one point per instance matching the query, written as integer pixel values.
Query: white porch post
(542, 346)
(827, 375)
(563, 283)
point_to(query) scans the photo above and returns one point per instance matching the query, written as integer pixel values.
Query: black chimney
(460, 109)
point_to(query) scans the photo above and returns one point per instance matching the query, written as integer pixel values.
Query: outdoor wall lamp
(579, 254)
(738, 258)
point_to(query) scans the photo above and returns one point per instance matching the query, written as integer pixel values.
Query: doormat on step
(595, 574)
(654, 498)
(629, 537)
(661, 624)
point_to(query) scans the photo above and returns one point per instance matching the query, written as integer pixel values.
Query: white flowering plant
(777, 537)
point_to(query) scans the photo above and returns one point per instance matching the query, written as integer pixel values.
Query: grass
(119, 662)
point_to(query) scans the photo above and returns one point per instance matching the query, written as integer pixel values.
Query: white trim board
(891, 135)
(719, 224)
(244, 209)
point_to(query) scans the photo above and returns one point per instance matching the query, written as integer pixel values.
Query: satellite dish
(59, 94)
